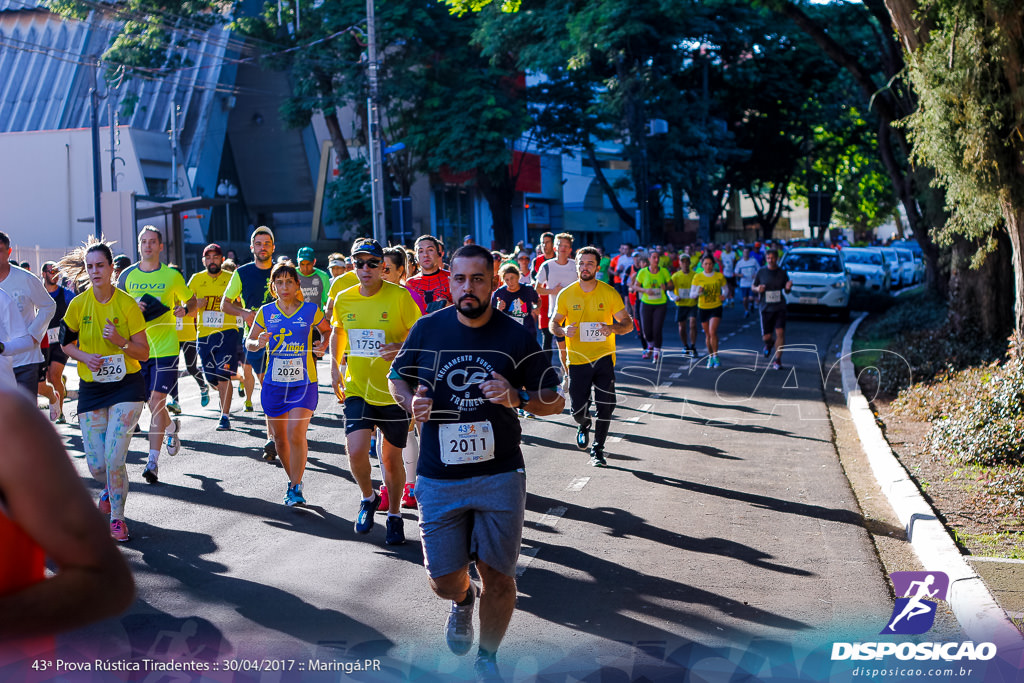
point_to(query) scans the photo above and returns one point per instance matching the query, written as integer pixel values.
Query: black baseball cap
(368, 246)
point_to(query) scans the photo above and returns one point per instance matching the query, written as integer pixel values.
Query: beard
(213, 269)
(473, 313)
(587, 277)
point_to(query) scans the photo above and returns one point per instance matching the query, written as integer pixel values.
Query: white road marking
(634, 419)
(644, 408)
(526, 556)
(614, 439)
(551, 518)
(578, 484)
(675, 375)
(666, 384)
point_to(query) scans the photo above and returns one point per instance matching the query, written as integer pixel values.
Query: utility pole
(97, 173)
(376, 144)
(174, 150)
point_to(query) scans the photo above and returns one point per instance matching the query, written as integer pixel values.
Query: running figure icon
(915, 588)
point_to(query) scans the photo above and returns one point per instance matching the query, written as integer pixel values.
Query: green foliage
(915, 344)
(966, 125)
(349, 202)
(986, 427)
(846, 163)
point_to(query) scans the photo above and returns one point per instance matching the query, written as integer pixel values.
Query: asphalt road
(723, 526)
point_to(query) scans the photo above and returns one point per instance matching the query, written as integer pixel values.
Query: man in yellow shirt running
(370, 323)
(595, 313)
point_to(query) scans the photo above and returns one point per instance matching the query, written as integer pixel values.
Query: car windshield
(870, 257)
(812, 263)
(905, 255)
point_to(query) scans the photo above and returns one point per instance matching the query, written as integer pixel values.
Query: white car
(908, 271)
(868, 270)
(893, 259)
(821, 282)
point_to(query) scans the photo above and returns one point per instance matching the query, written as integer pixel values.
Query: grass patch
(1001, 544)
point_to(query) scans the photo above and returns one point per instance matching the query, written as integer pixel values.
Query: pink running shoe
(119, 531)
(104, 504)
(409, 496)
(385, 502)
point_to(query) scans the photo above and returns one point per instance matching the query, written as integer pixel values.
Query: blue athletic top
(290, 347)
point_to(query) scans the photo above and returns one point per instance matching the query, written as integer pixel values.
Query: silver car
(868, 270)
(908, 271)
(821, 282)
(893, 259)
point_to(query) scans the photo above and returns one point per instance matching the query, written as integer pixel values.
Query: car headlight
(839, 284)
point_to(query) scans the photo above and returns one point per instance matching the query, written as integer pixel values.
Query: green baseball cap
(306, 254)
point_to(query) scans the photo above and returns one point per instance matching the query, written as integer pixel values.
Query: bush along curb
(970, 599)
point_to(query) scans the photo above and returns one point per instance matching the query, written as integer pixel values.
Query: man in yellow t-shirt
(370, 323)
(595, 313)
(218, 335)
(147, 280)
(686, 308)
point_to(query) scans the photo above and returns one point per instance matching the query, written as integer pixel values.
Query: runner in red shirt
(547, 251)
(432, 281)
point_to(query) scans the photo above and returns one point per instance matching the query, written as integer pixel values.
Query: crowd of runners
(435, 356)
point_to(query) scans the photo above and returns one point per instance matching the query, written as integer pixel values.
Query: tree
(965, 62)
(863, 29)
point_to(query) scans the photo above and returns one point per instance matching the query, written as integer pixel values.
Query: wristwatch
(524, 397)
(126, 343)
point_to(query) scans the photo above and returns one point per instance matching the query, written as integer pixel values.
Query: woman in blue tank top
(290, 389)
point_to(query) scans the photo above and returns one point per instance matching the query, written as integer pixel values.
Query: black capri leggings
(192, 364)
(652, 322)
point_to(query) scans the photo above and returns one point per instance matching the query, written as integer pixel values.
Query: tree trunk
(609, 191)
(981, 301)
(499, 196)
(1014, 216)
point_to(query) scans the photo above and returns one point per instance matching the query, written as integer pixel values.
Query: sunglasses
(371, 264)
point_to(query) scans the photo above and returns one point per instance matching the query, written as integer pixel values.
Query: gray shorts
(479, 518)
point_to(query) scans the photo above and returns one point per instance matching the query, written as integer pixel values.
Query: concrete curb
(977, 611)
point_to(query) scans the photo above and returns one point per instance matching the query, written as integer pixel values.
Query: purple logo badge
(914, 613)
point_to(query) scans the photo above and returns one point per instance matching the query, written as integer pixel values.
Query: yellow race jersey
(711, 292)
(681, 284)
(341, 283)
(186, 328)
(209, 316)
(167, 285)
(88, 317)
(364, 325)
(587, 310)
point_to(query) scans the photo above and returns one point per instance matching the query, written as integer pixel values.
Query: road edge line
(970, 599)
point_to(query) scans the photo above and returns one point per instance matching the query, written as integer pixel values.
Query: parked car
(893, 259)
(821, 282)
(908, 272)
(868, 270)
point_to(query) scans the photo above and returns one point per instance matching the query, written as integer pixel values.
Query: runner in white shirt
(553, 276)
(746, 269)
(14, 339)
(36, 307)
(729, 271)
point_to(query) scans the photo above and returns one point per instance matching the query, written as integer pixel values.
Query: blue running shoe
(204, 397)
(364, 520)
(225, 424)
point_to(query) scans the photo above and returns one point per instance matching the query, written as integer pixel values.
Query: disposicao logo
(914, 614)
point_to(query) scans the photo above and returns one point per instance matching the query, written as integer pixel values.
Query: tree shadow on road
(764, 502)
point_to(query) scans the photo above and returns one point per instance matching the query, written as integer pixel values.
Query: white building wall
(46, 184)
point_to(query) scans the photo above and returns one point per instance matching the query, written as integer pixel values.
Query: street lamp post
(376, 144)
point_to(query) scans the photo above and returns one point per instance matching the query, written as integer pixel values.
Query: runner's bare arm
(45, 496)
(623, 323)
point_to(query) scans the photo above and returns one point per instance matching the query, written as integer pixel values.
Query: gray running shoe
(458, 629)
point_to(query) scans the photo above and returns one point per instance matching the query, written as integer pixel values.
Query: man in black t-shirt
(462, 373)
(770, 282)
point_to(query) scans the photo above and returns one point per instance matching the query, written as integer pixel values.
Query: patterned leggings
(106, 435)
